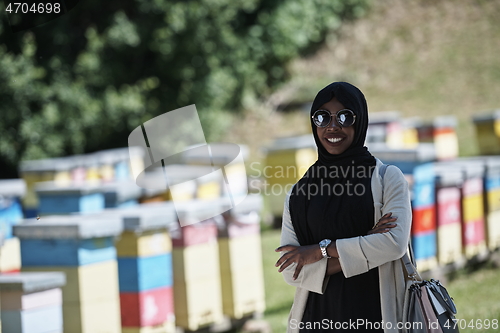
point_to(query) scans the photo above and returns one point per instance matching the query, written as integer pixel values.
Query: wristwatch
(323, 245)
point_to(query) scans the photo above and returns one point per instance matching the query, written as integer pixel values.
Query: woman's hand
(384, 224)
(301, 255)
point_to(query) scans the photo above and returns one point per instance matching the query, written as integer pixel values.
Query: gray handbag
(428, 308)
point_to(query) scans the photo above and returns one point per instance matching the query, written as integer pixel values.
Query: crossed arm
(351, 256)
(304, 255)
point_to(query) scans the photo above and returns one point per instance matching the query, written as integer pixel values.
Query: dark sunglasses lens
(321, 118)
(345, 118)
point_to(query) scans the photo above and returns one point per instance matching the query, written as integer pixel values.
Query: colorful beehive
(488, 132)
(492, 202)
(410, 133)
(58, 199)
(195, 255)
(404, 159)
(287, 160)
(11, 214)
(83, 248)
(145, 268)
(31, 302)
(240, 255)
(449, 181)
(385, 128)
(473, 218)
(423, 229)
(33, 172)
(445, 137)
(115, 164)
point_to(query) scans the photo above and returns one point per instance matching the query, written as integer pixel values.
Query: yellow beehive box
(287, 160)
(288, 166)
(147, 243)
(449, 240)
(101, 316)
(472, 250)
(493, 197)
(242, 278)
(93, 282)
(197, 291)
(243, 293)
(493, 229)
(10, 255)
(91, 302)
(427, 264)
(473, 207)
(195, 262)
(167, 327)
(197, 302)
(488, 132)
(240, 253)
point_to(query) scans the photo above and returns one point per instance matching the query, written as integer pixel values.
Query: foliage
(83, 81)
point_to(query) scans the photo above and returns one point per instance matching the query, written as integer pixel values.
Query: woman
(340, 238)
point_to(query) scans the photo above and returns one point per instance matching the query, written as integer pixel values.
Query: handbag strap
(408, 261)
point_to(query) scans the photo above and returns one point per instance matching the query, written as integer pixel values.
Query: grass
(476, 292)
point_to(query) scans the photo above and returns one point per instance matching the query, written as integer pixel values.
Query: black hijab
(325, 187)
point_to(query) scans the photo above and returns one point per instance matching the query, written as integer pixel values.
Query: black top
(345, 300)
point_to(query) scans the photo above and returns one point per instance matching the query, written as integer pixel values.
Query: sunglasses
(323, 118)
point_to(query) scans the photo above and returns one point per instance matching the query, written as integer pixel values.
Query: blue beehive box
(424, 244)
(68, 240)
(11, 212)
(55, 199)
(423, 193)
(404, 159)
(145, 273)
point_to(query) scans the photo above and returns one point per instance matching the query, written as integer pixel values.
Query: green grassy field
(476, 293)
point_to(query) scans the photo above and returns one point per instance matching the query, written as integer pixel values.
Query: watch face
(324, 242)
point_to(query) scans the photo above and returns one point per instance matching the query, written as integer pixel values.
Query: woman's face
(334, 138)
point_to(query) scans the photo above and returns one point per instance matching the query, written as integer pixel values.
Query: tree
(82, 82)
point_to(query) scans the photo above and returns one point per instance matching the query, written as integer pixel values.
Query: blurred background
(72, 90)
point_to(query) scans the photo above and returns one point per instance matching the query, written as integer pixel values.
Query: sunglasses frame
(336, 117)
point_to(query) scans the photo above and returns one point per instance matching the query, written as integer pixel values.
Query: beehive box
(88, 258)
(11, 212)
(10, 256)
(445, 137)
(197, 289)
(287, 160)
(31, 302)
(240, 257)
(145, 267)
(33, 172)
(424, 216)
(449, 180)
(492, 188)
(405, 159)
(56, 199)
(487, 127)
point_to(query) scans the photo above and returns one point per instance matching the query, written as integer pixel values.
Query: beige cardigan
(357, 255)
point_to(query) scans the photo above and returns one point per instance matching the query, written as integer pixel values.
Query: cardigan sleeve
(313, 276)
(359, 254)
